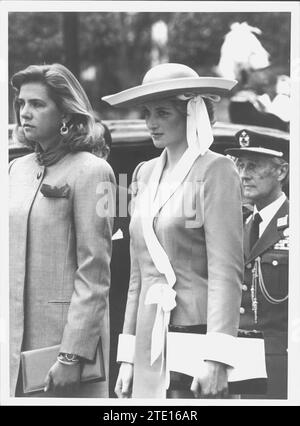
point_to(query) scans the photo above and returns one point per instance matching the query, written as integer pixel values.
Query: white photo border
(159, 6)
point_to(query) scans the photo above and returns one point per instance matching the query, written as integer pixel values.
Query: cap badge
(244, 139)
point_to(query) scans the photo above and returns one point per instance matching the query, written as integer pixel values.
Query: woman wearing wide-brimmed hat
(186, 237)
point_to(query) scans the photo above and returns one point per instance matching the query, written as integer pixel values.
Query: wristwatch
(63, 356)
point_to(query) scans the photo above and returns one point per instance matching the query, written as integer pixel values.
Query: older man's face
(259, 177)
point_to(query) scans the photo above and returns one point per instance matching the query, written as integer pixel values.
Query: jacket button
(249, 266)
(244, 287)
(39, 175)
(275, 262)
(242, 310)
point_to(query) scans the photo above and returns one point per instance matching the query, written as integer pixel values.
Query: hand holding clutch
(36, 364)
(62, 377)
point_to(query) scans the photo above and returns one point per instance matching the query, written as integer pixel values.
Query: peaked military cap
(275, 144)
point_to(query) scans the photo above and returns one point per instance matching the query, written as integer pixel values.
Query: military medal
(284, 243)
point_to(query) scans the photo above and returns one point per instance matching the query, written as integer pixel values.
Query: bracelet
(67, 362)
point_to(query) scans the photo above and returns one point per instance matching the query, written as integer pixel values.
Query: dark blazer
(272, 318)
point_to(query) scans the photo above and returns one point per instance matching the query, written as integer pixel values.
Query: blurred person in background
(186, 265)
(262, 97)
(60, 235)
(120, 262)
(103, 148)
(241, 52)
(262, 161)
(264, 101)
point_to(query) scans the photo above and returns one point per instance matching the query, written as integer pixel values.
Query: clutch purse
(251, 386)
(36, 363)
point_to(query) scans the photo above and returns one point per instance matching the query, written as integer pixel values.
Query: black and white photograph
(150, 214)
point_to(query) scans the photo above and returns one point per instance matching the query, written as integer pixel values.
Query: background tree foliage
(196, 38)
(118, 45)
(34, 38)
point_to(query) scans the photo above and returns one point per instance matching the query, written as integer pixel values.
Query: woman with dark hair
(186, 240)
(60, 233)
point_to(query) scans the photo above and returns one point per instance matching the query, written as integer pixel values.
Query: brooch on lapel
(55, 191)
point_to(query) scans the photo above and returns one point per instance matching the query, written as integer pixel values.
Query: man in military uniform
(262, 161)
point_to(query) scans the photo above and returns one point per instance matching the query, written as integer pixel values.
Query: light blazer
(60, 249)
(200, 228)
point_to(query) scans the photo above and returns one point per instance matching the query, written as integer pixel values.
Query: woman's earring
(64, 130)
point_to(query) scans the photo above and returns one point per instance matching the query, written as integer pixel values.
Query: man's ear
(283, 171)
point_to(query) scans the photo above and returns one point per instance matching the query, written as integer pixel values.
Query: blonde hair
(70, 98)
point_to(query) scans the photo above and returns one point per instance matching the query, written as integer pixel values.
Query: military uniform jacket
(272, 249)
(60, 249)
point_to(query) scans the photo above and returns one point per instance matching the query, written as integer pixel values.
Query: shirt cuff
(220, 347)
(126, 348)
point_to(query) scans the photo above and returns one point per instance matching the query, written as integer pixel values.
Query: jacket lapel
(151, 204)
(175, 178)
(270, 236)
(247, 228)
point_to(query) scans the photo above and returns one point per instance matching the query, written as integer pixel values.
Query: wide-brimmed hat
(250, 142)
(165, 80)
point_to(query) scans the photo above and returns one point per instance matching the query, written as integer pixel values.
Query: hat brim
(239, 152)
(165, 88)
